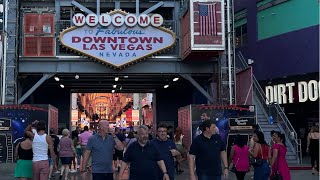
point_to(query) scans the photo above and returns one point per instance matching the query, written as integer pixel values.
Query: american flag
(207, 19)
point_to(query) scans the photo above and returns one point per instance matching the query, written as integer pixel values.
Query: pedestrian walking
(144, 159)
(178, 140)
(278, 156)
(100, 146)
(259, 153)
(206, 153)
(83, 140)
(118, 155)
(167, 149)
(23, 153)
(75, 134)
(54, 163)
(130, 139)
(239, 156)
(66, 153)
(40, 145)
(313, 148)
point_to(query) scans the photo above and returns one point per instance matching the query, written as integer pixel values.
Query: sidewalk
(6, 173)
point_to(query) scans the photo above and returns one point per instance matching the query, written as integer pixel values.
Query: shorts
(117, 155)
(66, 160)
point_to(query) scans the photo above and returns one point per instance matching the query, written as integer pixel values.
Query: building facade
(281, 40)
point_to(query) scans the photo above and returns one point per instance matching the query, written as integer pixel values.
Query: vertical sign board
(184, 122)
(207, 25)
(244, 87)
(3, 148)
(5, 143)
(53, 118)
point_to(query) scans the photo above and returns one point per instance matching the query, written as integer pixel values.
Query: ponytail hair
(283, 138)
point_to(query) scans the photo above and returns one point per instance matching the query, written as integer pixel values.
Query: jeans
(79, 154)
(262, 172)
(102, 176)
(206, 177)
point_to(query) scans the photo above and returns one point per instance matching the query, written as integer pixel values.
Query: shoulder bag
(257, 162)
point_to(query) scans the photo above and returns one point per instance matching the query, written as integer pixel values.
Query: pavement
(7, 169)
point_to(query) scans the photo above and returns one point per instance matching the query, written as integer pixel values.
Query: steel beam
(152, 8)
(34, 87)
(149, 66)
(117, 4)
(137, 7)
(197, 85)
(75, 3)
(98, 7)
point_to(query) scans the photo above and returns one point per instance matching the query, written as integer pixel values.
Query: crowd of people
(146, 156)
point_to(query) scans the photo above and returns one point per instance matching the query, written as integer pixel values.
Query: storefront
(299, 96)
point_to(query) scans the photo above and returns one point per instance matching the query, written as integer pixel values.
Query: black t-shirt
(143, 161)
(207, 152)
(74, 134)
(56, 141)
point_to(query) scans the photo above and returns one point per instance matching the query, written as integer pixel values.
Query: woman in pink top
(278, 156)
(66, 153)
(239, 156)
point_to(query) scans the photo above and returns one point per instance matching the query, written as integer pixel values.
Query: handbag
(257, 162)
(276, 175)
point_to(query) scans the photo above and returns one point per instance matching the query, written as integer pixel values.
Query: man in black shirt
(206, 152)
(144, 158)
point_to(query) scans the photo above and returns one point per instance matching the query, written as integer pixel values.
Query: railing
(273, 110)
(171, 24)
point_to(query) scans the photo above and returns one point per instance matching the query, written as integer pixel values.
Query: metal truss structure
(9, 59)
(227, 91)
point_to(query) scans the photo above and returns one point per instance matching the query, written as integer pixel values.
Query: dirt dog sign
(117, 38)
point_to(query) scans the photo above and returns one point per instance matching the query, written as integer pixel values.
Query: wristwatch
(165, 173)
(226, 168)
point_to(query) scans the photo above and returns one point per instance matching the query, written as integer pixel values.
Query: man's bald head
(103, 127)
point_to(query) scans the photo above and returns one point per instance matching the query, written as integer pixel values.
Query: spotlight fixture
(61, 85)
(120, 88)
(113, 91)
(116, 79)
(175, 79)
(166, 86)
(76, 76)
(114, 86)
(56, 78)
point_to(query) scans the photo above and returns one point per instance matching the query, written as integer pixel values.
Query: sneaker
(73, 171)
(57, 172)
(78, 166)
